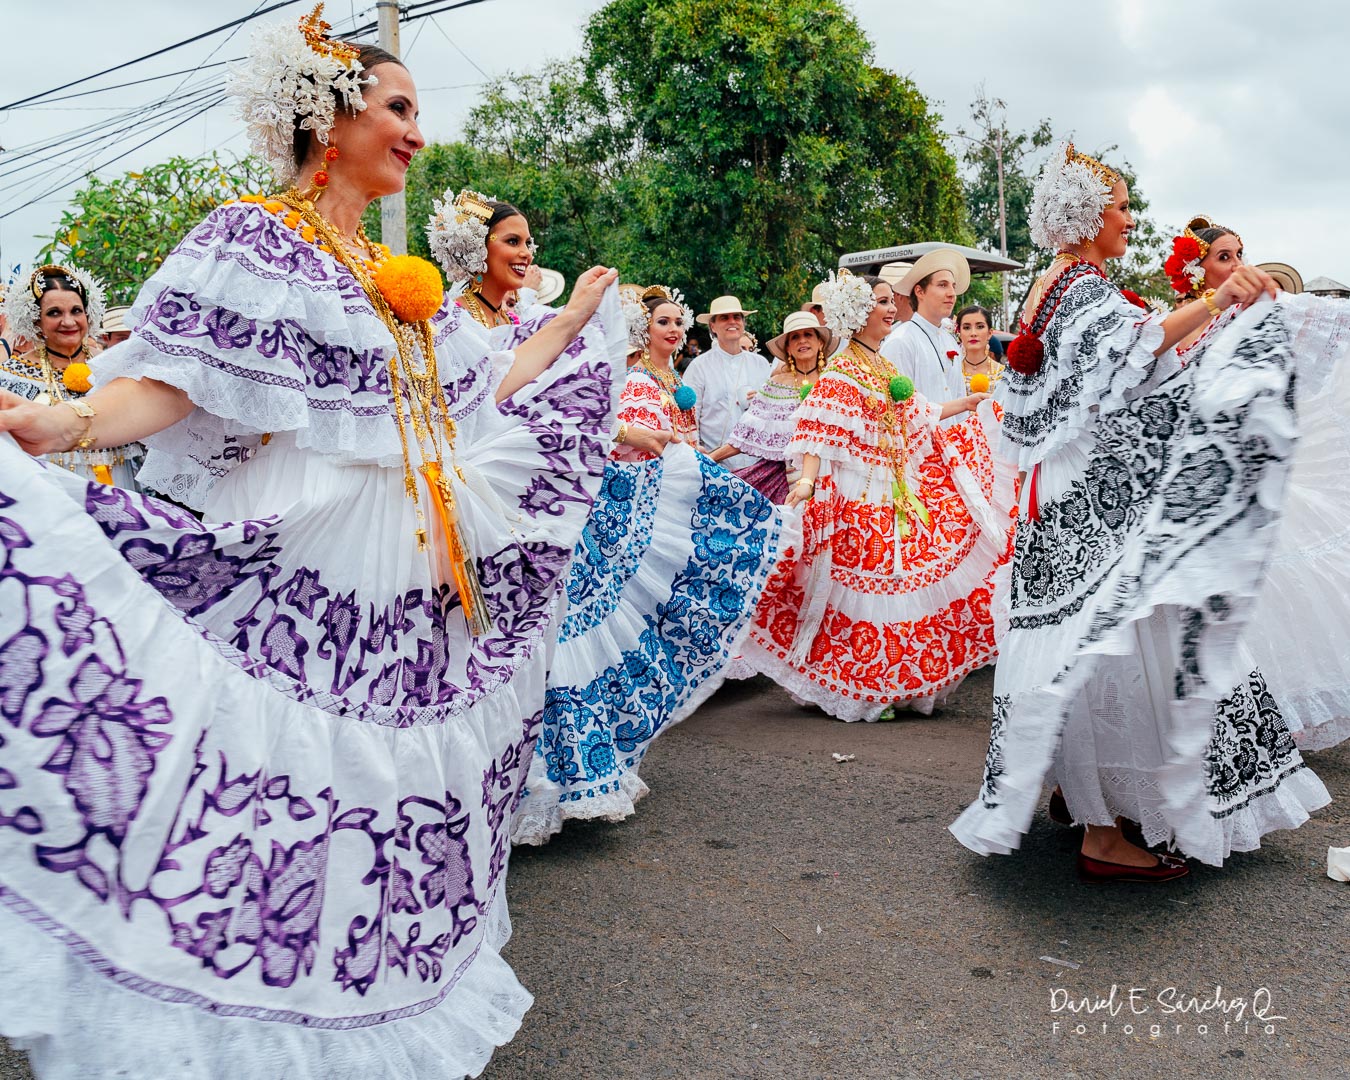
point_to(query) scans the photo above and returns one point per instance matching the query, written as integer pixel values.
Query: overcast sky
(1238, 109)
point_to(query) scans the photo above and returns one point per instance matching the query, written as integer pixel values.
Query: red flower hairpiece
(1182, 267)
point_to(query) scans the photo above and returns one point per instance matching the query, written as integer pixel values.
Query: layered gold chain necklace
(428, 416)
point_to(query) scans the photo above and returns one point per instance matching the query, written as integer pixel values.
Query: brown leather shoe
(1095, 872)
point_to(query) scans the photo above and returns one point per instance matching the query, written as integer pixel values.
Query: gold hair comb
(316, 36)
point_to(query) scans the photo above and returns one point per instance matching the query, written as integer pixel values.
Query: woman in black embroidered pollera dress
(1144, 522)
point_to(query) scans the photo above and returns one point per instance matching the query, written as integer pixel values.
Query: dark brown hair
(62, 283)
(368, 56)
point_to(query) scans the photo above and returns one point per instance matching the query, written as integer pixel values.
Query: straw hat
(801, 320)
(723, 305)
(894, 273)
(552, 286)
(114, 320)
(1289, 279)
(941, 259)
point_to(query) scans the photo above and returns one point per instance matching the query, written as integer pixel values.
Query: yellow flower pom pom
(979, 383)
(411, 287)
(76, 378)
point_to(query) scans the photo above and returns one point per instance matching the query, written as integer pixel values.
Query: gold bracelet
(1208, 298)
(621, 436)
(85, 411)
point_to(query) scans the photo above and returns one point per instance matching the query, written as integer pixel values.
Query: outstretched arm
(534, 355)
(126, 410)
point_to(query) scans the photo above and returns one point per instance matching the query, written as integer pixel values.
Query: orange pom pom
(411, 287)
(979, 383)
(76, 378)
(274, 207)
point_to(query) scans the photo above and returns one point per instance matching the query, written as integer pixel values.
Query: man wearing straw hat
(922, 349)
(725, 377)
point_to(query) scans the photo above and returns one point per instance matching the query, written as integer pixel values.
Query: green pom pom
(801, 393)
(902, 388)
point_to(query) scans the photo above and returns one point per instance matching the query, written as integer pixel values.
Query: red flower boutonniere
(951, 354)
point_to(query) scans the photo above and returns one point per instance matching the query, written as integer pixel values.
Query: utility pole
(393, 208)
(1002, 226)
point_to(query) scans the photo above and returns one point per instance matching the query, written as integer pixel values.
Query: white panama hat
(724, 305)
(931, 263)
(801, 320)
(552, 286)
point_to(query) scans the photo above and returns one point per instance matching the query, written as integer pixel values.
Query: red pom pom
(1025, 354)
(1134, 298)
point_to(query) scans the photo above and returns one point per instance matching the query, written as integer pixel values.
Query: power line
(123, 86)
(111, 161)
(147, 56)
(163, 113)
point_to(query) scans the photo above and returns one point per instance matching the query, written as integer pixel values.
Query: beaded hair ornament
(639, 319)
(23, 305)
(846, 301)
(291, 80)
(457, 234)
(1182, 267)
(1070, 195)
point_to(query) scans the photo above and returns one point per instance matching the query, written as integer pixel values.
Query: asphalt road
(772, 913)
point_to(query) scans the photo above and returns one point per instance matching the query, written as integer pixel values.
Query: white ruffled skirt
(660, 592)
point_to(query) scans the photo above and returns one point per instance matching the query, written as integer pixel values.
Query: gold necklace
(474, 302)
(428, 415)
(669, 382)
(894, 448)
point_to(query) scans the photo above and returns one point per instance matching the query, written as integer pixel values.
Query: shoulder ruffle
(1098, 355)
(265, 333)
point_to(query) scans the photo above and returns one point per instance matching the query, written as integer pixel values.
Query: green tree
(714, 145)
(120, 230)
(1023, 155)
(760, 141)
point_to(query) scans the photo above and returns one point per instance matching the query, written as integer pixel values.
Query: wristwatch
(84, 411)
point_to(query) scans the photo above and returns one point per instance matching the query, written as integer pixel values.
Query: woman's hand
(969, 403)
(1245, 286)
(586, 294)
(652, 441)
(534, 277)
(802, 491)
(40, 429)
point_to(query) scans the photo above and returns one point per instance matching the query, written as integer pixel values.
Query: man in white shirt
(725, 377)
(922, 349)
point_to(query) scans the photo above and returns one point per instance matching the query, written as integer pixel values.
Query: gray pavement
(769, 912)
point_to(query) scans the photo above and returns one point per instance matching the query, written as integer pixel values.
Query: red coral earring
(319, 181)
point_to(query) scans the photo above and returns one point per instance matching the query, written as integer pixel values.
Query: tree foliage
(120, 230)
(715, 145)
(1024, 152)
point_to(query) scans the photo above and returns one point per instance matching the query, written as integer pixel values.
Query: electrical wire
(147, 56)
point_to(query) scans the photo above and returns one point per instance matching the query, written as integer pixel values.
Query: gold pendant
(461, 563)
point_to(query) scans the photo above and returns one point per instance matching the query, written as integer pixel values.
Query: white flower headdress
(23, 300)
(1070, 195)
(457, 234)
(290, 79)
(846, 301)
(639, 319)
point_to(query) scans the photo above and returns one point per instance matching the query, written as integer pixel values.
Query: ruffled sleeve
(640, 402)
(264, 333)
(768, 425)
(1099, 355)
